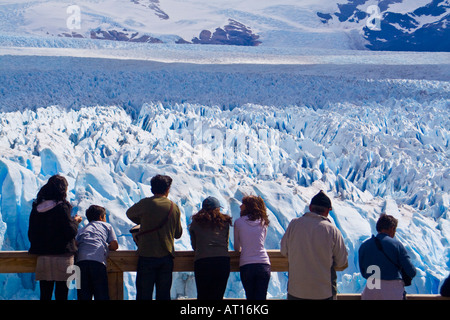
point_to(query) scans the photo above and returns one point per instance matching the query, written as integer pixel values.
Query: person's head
(96, 213)
(210, 203)
(161, 184)
(210, 215)
(320, 204)
(254, 208)
(387, 224)
(54, 189)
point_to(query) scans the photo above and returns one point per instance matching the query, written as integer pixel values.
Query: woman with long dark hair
(250, 232)
(52, 233)
(209, 233)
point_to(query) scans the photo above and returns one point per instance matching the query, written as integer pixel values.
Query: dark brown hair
(212, 218)
(95, 213)
(386, 222)
(255, 209)
(160, 184)
(54, 189)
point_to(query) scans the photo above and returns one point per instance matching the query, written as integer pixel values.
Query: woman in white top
(250, 232)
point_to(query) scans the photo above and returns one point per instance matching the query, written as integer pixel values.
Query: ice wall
(283, 155)
(377, 146)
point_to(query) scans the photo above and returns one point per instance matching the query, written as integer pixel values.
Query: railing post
(115, 284)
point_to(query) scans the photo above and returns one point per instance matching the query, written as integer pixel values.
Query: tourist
(209, 233)
(160, 223)
(52, 233)
(384, 259)
(250, 232)
(94, 242)
(315, 250)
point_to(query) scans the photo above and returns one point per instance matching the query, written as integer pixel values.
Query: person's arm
(134, 213)
(284, 245)
(237, 240)
(31, 226)
(113, 245)
(405, 262)
(192, 235)
(340, 254)
(361, 260)
(68, 225)
(178, 227)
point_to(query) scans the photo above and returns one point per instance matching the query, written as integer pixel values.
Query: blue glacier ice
(374, 136)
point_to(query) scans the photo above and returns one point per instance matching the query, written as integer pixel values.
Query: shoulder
(64, 205)
(144, 201)
(368, 240)
(296, 220)
(104, 224)
(63, 208)
(393, 242)
(175, 206)
(193, 225)
(366, 243)
(238, 221)
(82, 229)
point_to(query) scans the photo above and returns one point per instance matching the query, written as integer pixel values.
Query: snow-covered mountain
(395, 24)
(347, 24)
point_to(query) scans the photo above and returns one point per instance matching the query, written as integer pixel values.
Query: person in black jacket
(52, 233)
(445, 289)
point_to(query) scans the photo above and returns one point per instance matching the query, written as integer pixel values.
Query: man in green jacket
(160, 225)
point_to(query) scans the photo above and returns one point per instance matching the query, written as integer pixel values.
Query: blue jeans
(154, 272)
(94, 281)
(255, 279)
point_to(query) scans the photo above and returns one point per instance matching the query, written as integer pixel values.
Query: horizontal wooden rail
(126, 261)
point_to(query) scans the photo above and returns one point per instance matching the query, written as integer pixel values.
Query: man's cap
(210, 203)
(321, 200)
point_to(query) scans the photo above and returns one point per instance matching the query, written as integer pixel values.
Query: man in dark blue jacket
(381, 259)
(445, 289)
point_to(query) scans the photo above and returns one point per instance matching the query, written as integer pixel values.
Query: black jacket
(52, 231)
(445, 289)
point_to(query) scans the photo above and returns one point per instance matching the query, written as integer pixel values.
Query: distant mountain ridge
(422, 28)
(419, 25)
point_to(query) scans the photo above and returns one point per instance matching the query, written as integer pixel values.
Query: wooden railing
(125, 261)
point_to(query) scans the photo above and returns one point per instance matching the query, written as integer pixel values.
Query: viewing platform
(126, 261)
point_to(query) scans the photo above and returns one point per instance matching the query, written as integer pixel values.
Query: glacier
(372, 130)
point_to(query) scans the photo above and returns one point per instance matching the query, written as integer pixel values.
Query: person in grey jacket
(209, 233)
